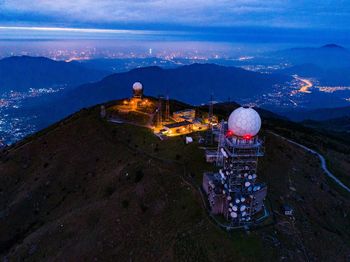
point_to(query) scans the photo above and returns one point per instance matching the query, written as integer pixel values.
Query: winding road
(322, 159)
(307, 84)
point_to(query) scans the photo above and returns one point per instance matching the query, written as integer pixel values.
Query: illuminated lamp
(229, 133)
(247, 137)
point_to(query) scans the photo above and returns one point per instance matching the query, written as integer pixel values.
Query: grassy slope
(87, 189)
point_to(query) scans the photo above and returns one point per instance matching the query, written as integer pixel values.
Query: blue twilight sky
(207, 20)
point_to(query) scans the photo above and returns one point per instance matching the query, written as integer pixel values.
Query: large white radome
(137, 86)
(244, 121)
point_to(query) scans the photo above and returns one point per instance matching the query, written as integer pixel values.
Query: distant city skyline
(180, 28)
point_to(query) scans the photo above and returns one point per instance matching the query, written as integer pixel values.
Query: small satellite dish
(242, 199)
(242, 208)
(237, 201)
(247, 184)
(234, 208)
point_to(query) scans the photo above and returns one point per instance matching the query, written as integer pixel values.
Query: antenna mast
(159, 115)
(167, 109)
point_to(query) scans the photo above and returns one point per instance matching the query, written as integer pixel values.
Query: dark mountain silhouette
(318, 114)
(327, 56)
(19, 73)
(193, 84)
(326, 76)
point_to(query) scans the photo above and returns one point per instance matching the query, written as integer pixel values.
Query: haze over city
(234, 27)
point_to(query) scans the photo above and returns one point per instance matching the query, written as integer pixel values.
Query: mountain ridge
(20, 73)
(86, 188)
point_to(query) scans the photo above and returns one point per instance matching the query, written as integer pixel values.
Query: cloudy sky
(217, 18)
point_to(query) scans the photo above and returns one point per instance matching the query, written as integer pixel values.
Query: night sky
(209, 20)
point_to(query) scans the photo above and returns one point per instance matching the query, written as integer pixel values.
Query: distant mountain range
(327, 56)
(19, 73)
(329, 64)
(321, 114)
(193, 84)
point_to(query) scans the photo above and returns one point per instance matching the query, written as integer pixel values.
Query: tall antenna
(159, 115)
(167, 109)
(211, 109)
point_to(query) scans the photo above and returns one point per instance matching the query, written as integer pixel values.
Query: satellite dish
(234, 208)
(254, 176)
(242, 208)
(244, 213)
(250, 177)
(233, 214)
(242, 199)
(247, 184)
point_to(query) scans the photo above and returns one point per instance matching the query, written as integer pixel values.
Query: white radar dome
(137, 86)
(244, 121)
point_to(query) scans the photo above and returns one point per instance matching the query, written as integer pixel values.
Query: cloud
(226, 13)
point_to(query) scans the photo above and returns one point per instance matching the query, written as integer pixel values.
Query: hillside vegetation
(88, 190)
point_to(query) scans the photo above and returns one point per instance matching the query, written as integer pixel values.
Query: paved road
(322, 159)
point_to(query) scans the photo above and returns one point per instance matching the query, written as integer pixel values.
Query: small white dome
(137, 86)
(244, 122)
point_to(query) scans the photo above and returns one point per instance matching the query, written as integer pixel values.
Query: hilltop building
(178, 128)
(185, 115)
(234, 191)
(156, 114)
(137, 102)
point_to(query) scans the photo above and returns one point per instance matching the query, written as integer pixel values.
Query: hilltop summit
(88, 189)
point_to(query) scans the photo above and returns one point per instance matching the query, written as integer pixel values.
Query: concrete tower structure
(234, 191)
